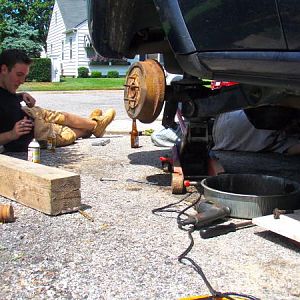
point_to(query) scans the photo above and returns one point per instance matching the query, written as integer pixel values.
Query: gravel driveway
(127, 252)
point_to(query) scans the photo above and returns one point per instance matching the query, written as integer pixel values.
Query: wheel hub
(144, 90)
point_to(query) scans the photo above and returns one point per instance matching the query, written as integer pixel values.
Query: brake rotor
(144, 90)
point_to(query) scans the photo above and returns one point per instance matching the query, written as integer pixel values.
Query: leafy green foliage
(40, 70)
(96, 74)
(113, 74)
(36, 13)
(83, 72)
(21, 37)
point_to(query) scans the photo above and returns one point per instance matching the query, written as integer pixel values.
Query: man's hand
(28, 99)
(21, 127)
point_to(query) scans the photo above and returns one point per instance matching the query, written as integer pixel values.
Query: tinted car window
(233, 24)
(290, 12)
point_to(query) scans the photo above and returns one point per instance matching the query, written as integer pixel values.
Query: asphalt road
(128, 252)
(83, 102)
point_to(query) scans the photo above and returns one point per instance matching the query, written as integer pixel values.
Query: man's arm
(28, 99)
(21, 127)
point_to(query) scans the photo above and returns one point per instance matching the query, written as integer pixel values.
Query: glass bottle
(51, 140)
(6, 213)
(134, 135)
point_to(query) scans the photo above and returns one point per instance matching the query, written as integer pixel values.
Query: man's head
(14, 67)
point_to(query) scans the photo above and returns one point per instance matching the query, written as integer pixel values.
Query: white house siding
(82, 58)
(55, 34)
(69, 67)
(70, 64)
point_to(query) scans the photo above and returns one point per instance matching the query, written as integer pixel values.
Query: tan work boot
(95, 113)
(103, 121)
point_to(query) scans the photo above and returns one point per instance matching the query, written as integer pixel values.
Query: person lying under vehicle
(232, 131)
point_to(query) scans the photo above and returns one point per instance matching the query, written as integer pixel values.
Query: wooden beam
(50, 190)
(287, 225)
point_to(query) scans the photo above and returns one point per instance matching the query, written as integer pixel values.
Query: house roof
(73, 12)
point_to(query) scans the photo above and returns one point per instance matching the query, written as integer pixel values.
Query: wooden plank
(50, 190)
(287, 225)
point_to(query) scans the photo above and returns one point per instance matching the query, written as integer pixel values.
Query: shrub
(96, 74)
(113, 74)
(83, 72)
(40, 70)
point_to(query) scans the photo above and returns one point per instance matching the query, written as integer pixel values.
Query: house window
(51, 48)
(71, 46)
(62, 50)
(87, 41)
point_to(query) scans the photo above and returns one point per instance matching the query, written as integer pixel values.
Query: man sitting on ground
(19, 125)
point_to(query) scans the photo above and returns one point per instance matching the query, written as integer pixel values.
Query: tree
(22, 37)
(36, 13)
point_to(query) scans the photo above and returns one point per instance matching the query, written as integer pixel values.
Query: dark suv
(253, 42)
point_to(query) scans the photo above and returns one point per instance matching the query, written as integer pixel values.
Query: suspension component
(144, 90)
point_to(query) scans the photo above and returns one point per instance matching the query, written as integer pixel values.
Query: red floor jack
(190, 162)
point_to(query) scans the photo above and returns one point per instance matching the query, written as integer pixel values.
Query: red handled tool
(167, 163)
(188, 183)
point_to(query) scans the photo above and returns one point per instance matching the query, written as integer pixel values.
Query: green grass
(75, 84)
